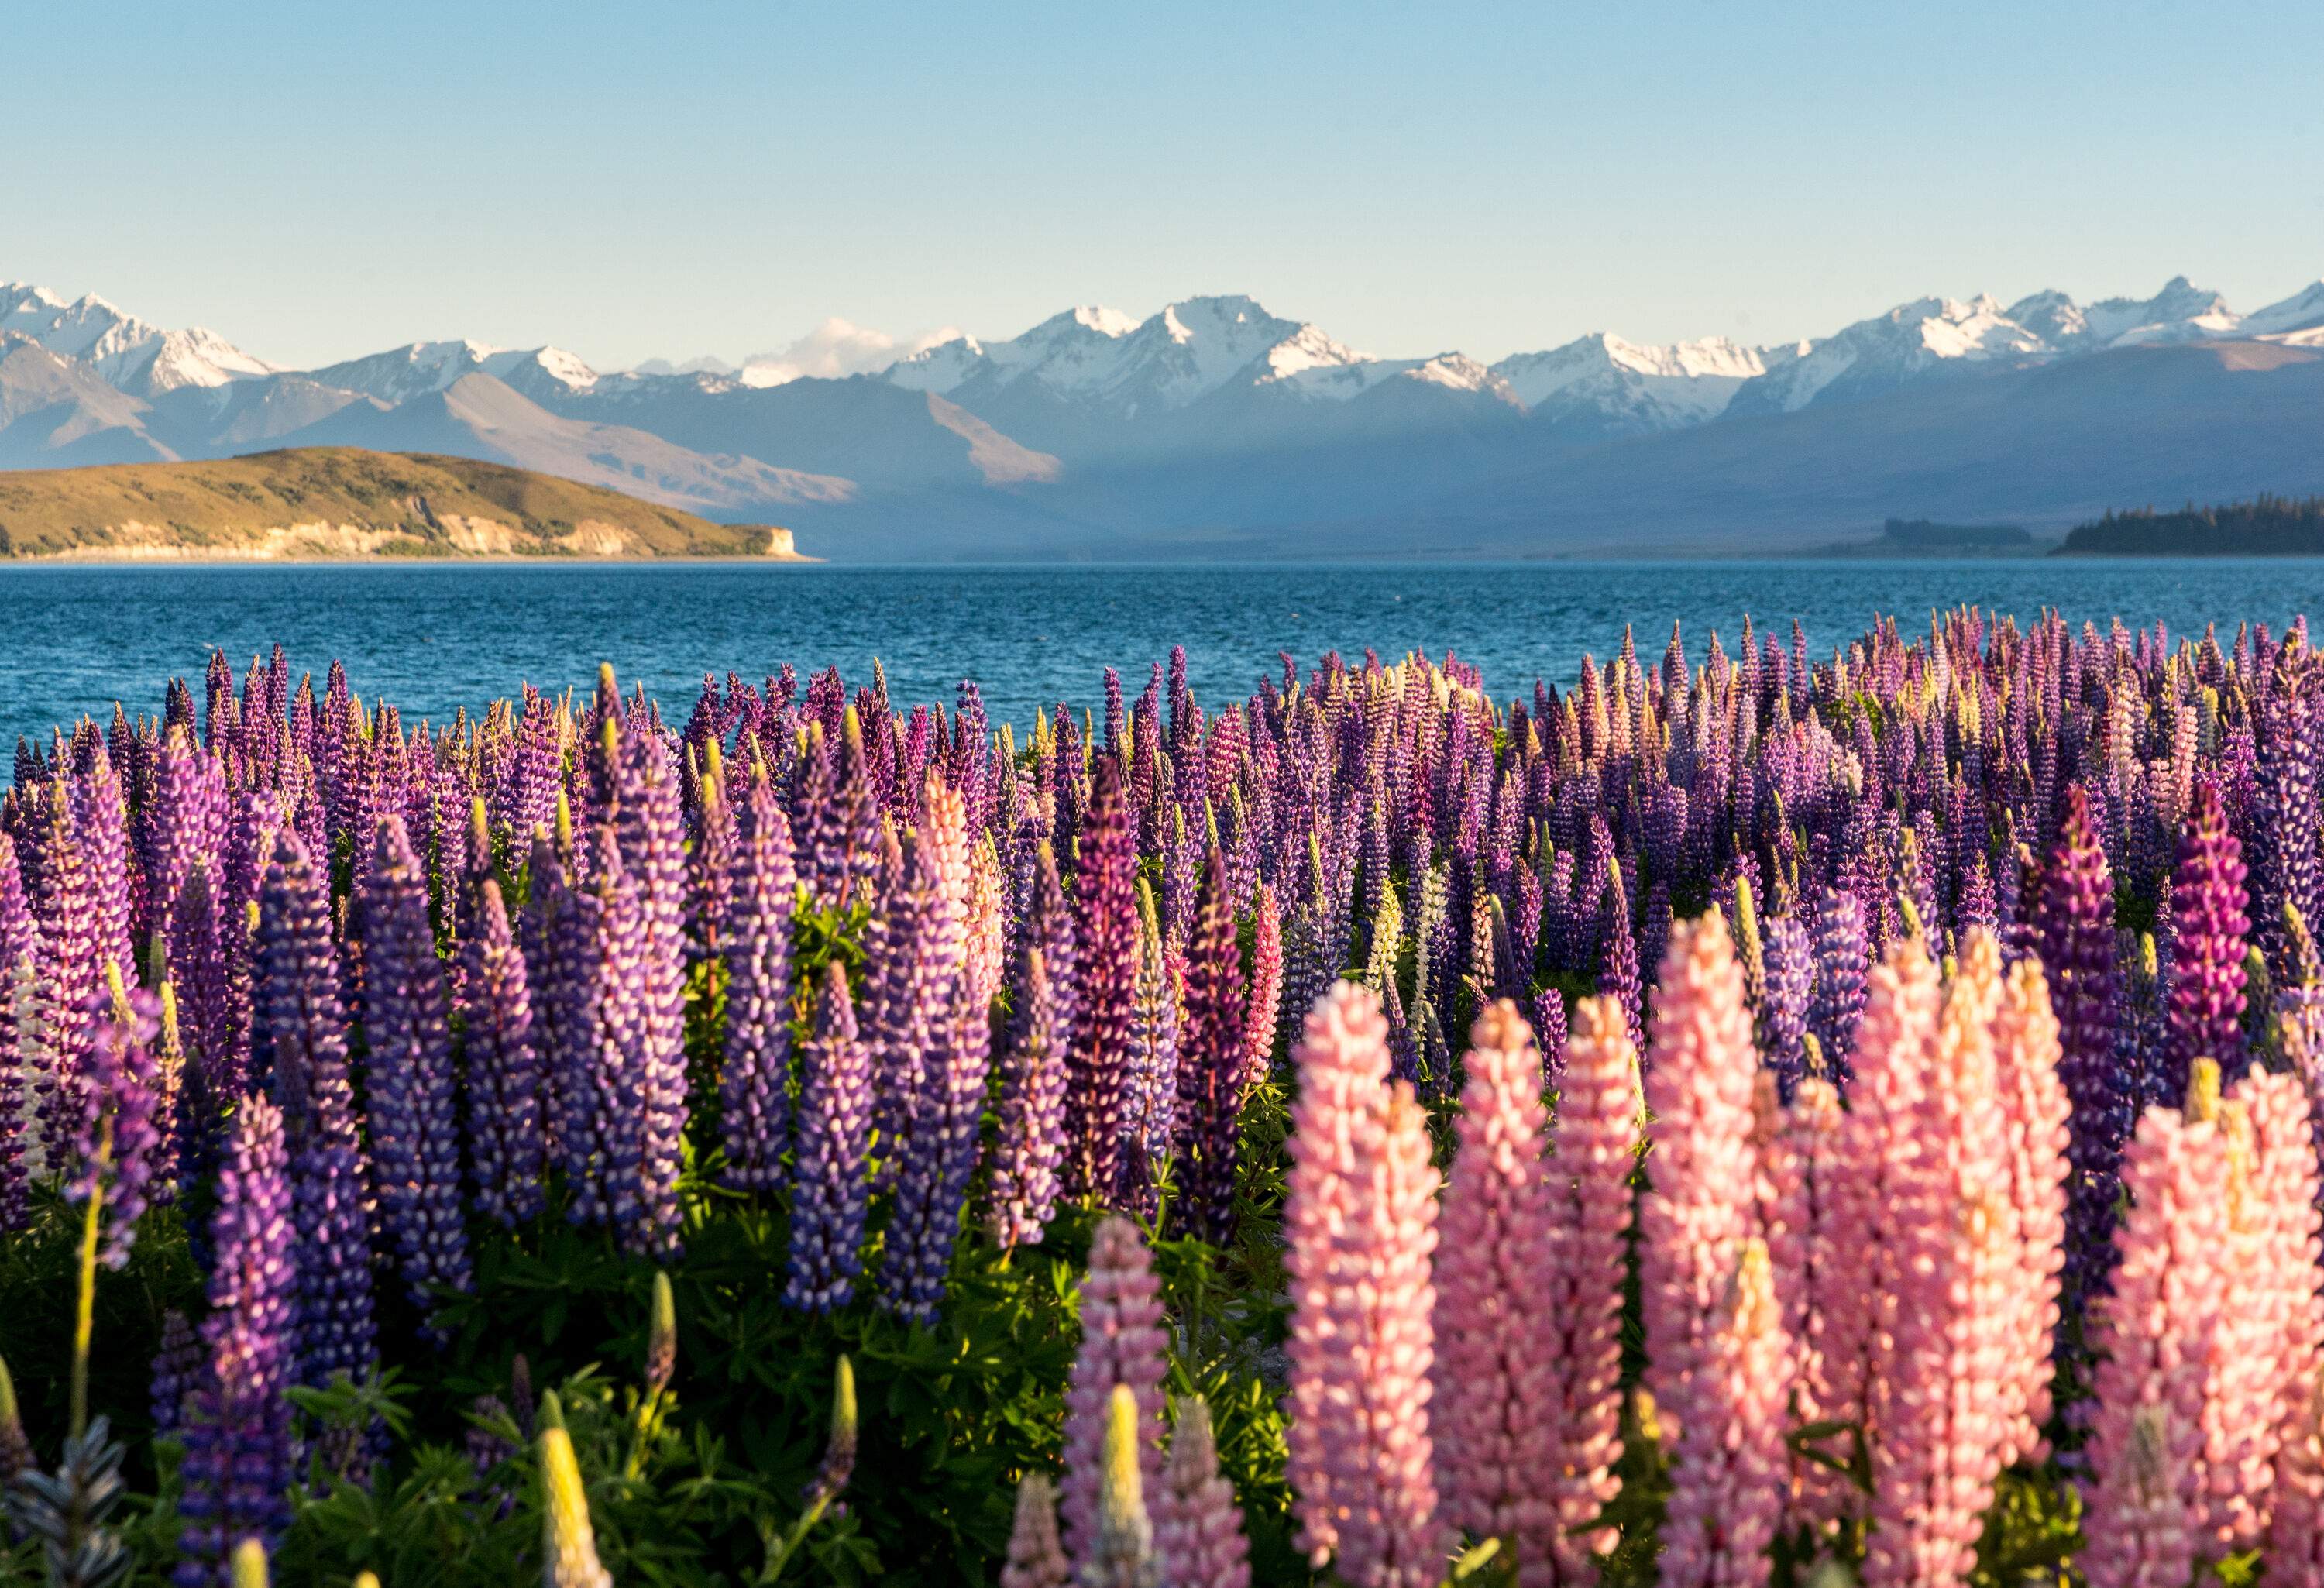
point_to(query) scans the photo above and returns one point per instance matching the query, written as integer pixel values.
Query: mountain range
(1213, 427)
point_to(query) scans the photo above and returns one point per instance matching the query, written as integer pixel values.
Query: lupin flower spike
(568, 1542)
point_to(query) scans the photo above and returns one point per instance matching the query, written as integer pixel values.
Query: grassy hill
(342, 503)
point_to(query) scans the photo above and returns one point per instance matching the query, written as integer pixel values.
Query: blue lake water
(430, 637)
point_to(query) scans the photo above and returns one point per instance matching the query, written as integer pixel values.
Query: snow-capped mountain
(423, 369)
(131, 354)
(1603, 385)
(1095, 431)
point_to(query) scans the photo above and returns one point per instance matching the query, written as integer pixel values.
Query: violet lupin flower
(1210, 1069)
(1096, 1101)
(1843, 953)
(1031, 1144)
(301, 1036)
(761, 890)
(2074, 926)
(652, 840)
(830, 1194)
(19, 1021)
(2209, 932)
(121, 1129)
(505, 1138)
(408, 1066)
(236, 1474)
(101, 820)
(1789, 957)
(177, 1372)
(57, 878)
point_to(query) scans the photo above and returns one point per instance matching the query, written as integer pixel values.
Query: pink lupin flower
(1800, 1163)
(1696, 1222)
(2035, 1111)
(1264, 1007)
(1122, 1343)
(1727, 1457)
(1941, 1406)
(1596, 1152)
(1359, 1220)
(1197, 1525)
(1035, 1558)
(1494, 1413)
(2295, 1533)
(2285, 1177)
(1878, 1194)
(2153, 1335)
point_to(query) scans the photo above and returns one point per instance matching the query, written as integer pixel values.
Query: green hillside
(341, 503)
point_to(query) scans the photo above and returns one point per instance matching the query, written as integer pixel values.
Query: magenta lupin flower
(1263, 1006)
(1104, 887)
(121, 1126)
(1210, 1063)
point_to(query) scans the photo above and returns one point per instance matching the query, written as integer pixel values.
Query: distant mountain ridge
(1213, 424)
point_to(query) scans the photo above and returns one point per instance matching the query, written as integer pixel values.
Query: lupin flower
(504, 1125)
(177, 1372)
(761, 889)
(1097, 1100)
(1494, 1416)
(1037, 1559)
(1728, 1455)
(2034, 1114)
(2209, 933)
(1590, 1216)
(2074, 925)
(568, 1543)
(1266, 988)
(21, 1057)
(1023, 1184)
(236, 1474)
(1782, 1024)
(1197, 1525)
(1359, 1224)
(1842, 961)
(1122, 1553)
(408, 1066)
(830, 1196)
(1210, 1063)
(121, 1131)
(1123, 1349)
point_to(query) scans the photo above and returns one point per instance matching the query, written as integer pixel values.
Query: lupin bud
(522, 1400)
(1124, 1556)
(661, 1341)
(839, 1451)
(15, 1449)
(366, 1580)
(552, 1411)
(568, 1543)
(250, 1564)
(2203, 1090)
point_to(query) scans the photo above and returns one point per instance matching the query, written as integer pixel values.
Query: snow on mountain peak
(131, 353)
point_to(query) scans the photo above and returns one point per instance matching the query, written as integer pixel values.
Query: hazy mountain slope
(477, 416)
(56, 409)
(2045, 445)
(341, 503)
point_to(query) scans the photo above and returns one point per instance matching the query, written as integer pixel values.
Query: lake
(433, 637)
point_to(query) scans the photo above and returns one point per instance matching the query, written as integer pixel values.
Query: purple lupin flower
(760, 892)
(505, 1140)
(119, 1138)
(236, 1474)
(1210, 1063)
(299, 1034)
(66, 911)
(1153, 1060)
(1031, 1144)
(2074, 930)
(19, 1016)
(408, 1068)
(101, 820)
(651, 828)
(830, 1194)
(2209, 933)
(1843, 965)
(940, 1143)
(1617, 975)
(1107, 941)
(177, 1372)
(1789, 958)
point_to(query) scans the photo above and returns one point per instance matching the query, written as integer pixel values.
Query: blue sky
(633, 180)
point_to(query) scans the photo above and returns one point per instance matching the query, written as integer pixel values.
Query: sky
(633, 182)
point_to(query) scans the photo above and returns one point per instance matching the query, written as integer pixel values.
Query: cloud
(834, 349)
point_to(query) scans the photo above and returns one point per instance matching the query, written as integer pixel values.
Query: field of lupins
(1749, 1118)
